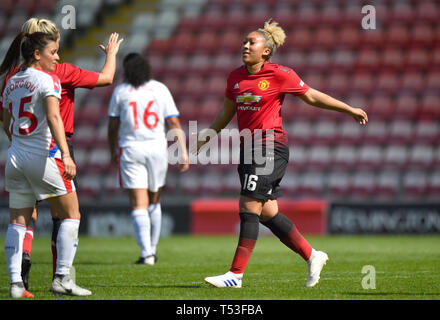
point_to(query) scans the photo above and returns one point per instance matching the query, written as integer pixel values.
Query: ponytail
(24, 45)
(12, 58)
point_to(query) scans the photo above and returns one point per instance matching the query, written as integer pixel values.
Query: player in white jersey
(39, 165)
(138, 111)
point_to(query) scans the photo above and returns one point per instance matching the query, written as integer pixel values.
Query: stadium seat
(433, 188)
(395, 156)
(350, 133)
(338, 185)
(311, 184)
(400, 132)
(426, 131)
(344, 157)
(415, 184)
(421, 156)
(376, 133)
(362, 186)
(387, 186)
(370, 156)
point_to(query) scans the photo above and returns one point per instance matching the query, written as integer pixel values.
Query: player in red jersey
(255, 92)
(71, 77)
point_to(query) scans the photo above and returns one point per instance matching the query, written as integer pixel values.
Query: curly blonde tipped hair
(41, 25)
(274, 35)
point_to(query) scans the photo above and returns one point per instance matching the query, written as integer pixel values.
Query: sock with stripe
(249, 226)
(155, 211)
(27, 242)
(288, 233)
(67, 244)
(142, 228)
(14, 250)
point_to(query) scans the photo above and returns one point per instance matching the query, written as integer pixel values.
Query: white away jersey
(24, 95)
(142, 112)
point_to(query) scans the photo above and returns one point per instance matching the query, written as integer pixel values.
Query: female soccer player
(255, 93)
(39, 164)
(71, 77)
(138, 110)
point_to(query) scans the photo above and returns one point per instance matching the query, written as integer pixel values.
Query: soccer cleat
(315, 264)
(228, 280)
(150, 260)
(26, 264)
(17, 290)
(63, 284)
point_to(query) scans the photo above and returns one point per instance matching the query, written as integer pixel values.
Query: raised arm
(108, 70)
(321, 100)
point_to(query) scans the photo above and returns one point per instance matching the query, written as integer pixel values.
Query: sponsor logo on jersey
(248, 98)
(263, 85)
(236, 86)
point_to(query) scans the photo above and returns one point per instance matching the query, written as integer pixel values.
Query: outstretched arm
(322, 100)
(108, 70)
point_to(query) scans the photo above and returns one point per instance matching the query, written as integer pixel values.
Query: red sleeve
(75, 77)
(291, 82)
(229, 88)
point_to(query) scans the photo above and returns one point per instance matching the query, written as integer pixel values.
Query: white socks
(67, 243)
(141, 225)
(147, 225)
(155, 211)
(14, 250)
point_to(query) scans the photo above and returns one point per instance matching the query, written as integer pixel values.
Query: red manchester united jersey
(258, 97)
(71, 77)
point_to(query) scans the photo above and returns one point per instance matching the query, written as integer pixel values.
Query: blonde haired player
(255, 92)
(39, 164)
(71, 77)
(139, 109)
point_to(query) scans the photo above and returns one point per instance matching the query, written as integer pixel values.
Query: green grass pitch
(406, 268)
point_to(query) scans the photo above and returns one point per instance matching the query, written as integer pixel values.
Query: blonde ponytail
(41, 25)
(274, 35)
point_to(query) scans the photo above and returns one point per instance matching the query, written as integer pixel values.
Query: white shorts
(30, 173)
(140, 168)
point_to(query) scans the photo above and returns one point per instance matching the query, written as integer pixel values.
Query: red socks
(242, 255)
(27, 242)
(249, 226)
(288, 233)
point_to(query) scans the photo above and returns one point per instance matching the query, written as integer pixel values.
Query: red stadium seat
(405, 106)
(433, 188)
(426, 131)
(421, 156)
(362, 185)
(415, 184)
(397, 34)
(396, 156)
(387, 185)
(338, 185)
(422, 35)
(344, 157)
(370, 157)
(400, 131)
(392, 59)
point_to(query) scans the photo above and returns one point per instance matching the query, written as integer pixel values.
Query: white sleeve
(113, 108)
(51, 86)
(167, 101)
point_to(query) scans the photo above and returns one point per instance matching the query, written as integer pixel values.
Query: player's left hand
(112, 45)
(359, 115)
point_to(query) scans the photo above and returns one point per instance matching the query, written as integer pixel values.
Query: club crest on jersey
(263, 85)
(247, 98)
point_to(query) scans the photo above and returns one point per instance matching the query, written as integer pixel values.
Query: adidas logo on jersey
(236, 86)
